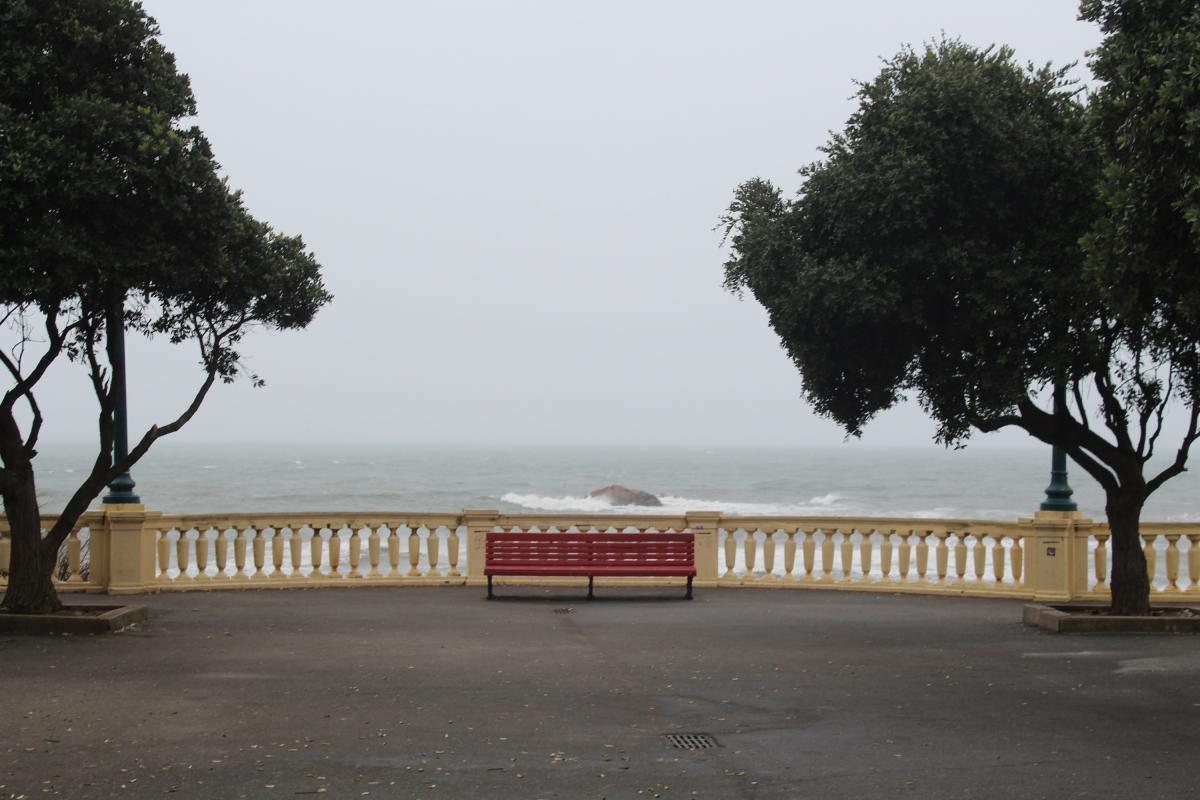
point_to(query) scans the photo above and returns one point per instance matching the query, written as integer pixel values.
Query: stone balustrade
(1052, 556)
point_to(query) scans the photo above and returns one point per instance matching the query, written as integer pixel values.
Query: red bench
(591, 554)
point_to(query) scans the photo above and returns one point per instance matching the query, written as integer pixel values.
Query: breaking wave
(814, 506)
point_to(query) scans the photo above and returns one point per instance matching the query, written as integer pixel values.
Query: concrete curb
(1078, 619)
(105, 619)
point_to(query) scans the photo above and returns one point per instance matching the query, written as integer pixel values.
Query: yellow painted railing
(225, 552)
(82, 560)
(933, 556)
(127, 549)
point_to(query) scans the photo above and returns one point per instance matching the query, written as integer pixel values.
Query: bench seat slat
(630, 571)
(667, 554)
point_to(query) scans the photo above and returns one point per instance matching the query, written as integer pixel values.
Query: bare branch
(1089, 450)
(96, 372)
(92, 485)
(1114, 413)
(1160, 412)
(1179, 465)
(35, 427)
(1078, 394)
(56, 339)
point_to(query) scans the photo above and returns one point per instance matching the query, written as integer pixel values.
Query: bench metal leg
(591, 593)
(689, 591)
(490, 595)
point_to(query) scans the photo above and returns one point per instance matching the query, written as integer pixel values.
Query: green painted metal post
(1058, 493)
(121, 488)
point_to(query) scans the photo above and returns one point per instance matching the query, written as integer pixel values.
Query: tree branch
(1114, 413)
(1179, 465)
(35, 427)
(1078, 393)
(1160, 411)
(54, 347)
(1089, 450)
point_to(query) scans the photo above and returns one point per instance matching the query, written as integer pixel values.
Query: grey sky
(514, 202)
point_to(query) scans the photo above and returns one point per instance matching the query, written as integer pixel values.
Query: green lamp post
(121, 488)
(1058, 493)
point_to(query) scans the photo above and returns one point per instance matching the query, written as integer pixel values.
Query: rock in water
(624, 496)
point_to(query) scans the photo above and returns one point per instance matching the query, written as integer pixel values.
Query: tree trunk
(1130, 583)
(31, 565)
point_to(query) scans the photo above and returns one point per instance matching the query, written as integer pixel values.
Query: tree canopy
(113, 216)
(986, 238)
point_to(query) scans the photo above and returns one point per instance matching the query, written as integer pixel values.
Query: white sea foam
(671, 504)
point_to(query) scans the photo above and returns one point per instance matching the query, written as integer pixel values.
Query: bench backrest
(578, 549)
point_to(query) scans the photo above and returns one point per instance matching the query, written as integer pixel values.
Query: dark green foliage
(982, 239)
(113, 214)
(1146, 248)
(917, 258)
(105, 192)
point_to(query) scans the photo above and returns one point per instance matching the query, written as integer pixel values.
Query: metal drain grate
(564, 610)
(691, 741)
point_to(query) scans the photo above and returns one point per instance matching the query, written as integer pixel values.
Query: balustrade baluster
(239, 551)
(769, 545)
(730, 552)
(182, 551)
(432, 545)
(355, 552)
(74, 557)
(960, 556)
(1016, 558)
(1172, 562)
(1100, 560)
(905, 554)
(810, 551)
(827, 553)
(750, 545)
(164, 553)
(866, 554)
(979, 556)
(941, 554)
(1193, 560)
(335, 552)
(393, 551)
(789, 552)
(373, 554)
(222, 552)
(847, 554)
(885, 555)
(316, 547)
(277, 547)
(922, 555)
(1151, 556)
(452, 545)
(295, 551)
(998, 558)
(260, 554)
(414, 552)
(202, 555)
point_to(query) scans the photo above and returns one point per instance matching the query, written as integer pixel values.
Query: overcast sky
(514, 206)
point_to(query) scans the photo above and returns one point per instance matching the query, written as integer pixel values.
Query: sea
(853, 480)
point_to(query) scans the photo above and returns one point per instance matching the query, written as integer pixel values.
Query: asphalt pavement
(438, 693)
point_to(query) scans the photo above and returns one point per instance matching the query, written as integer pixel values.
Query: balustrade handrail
(1063, 556)
(260, 520)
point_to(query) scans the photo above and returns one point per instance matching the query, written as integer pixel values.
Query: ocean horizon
(856, 480)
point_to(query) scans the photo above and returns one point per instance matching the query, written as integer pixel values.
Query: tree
(113, 217)
(971, 239)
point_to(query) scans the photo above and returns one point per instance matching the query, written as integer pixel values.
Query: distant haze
(514, 205)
